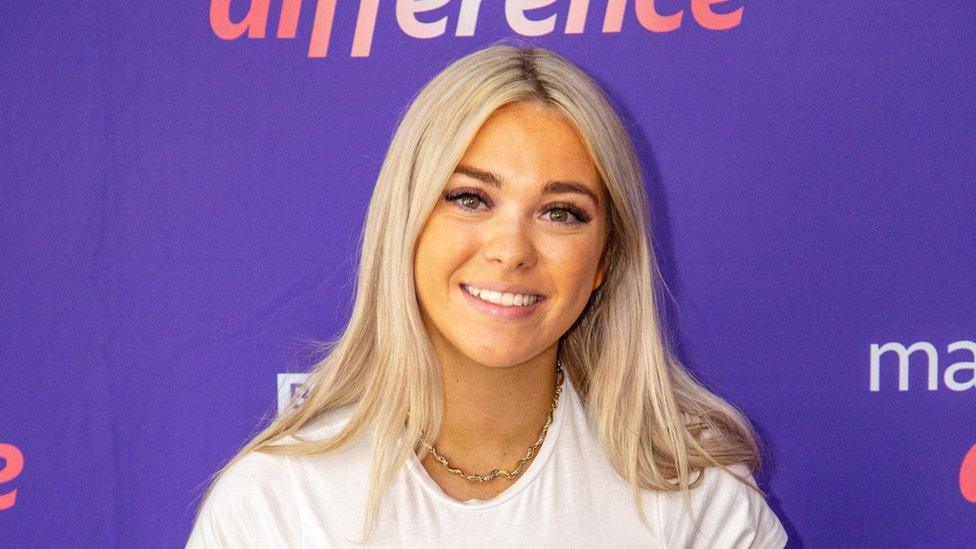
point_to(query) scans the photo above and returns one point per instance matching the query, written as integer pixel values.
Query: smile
(506, 299)
(504, 305)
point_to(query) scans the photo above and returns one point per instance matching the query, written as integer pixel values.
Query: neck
(494, 413)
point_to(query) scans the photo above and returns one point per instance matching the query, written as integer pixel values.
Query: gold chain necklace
(528, 454)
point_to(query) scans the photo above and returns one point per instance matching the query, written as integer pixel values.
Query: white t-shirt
(568, 496)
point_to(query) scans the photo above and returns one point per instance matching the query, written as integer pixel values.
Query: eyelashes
(454, 197)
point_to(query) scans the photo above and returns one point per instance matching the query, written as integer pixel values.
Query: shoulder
(724, 512)
(257, 500)
(248, 505)
(326, 423)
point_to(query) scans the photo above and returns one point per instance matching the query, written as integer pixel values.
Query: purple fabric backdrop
(179, 212)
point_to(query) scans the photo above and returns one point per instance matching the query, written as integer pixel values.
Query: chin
(497, 360)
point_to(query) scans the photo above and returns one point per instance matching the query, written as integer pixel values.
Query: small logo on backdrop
(967, 476)
(291, 386)
(959, 376)
(463, 16)
(11, 465)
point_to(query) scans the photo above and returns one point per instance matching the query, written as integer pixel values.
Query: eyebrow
(552, 187)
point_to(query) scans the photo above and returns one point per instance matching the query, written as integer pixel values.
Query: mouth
(498, 304)
(503, 298)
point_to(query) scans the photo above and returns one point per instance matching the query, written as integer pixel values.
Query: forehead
(530, 143)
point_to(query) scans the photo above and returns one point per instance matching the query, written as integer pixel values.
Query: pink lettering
(254, 22)
(613, 19)
(653, 21)
(365, 23)
(12, 468)
(576, 19)
(967, 475)
(702, 10)
(288, 21)
(322, 28)
(649, 18)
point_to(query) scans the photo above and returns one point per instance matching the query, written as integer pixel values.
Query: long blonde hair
(656, 423)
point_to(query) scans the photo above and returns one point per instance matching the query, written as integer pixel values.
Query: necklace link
(528, 454)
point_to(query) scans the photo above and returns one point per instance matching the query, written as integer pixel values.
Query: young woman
(504, 379)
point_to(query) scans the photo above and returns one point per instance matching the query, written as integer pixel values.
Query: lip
(505, 288)
(500, 311)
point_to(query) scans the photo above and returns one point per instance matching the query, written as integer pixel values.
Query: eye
(466, 199)
(562, 215)
(566, 214)
(469, 201)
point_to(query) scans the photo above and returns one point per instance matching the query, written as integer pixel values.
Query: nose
(509, 244)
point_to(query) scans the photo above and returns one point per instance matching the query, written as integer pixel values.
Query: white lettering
(949, 377)
(468, 17)
(406, 14)
(903, 355)
(515, 15)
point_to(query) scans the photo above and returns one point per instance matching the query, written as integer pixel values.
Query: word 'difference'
(11, 465)
(463, 15)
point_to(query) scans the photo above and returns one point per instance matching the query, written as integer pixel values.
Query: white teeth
(503, 299)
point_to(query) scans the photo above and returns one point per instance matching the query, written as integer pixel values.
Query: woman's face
(521, 223)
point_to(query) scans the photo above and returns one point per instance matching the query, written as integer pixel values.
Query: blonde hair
(656, 423)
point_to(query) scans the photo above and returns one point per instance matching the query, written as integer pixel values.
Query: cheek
(441, 249)
(574, 264)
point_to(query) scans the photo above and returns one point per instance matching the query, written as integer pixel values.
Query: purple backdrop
(179, 213)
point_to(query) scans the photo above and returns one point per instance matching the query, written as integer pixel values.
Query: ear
(600, 271)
